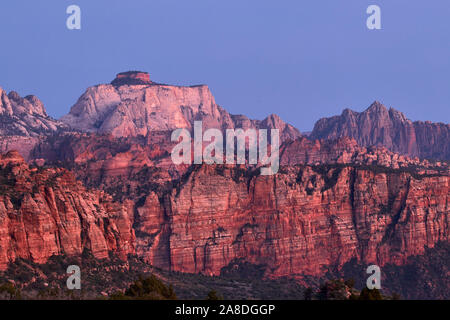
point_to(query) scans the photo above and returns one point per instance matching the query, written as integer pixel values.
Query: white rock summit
(133, 105)
(24, 116)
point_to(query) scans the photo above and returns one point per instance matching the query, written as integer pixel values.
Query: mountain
(331, 201)
(24, 116)
(296, 223)
(47, 212)
(23, 121)
(133, 105)
(378, 126)
(107, 185)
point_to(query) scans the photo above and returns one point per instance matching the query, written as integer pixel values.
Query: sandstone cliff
(45, 212)
(331, 201)
(298, 222)
(378, 126)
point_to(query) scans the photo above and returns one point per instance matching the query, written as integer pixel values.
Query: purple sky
(300, 59)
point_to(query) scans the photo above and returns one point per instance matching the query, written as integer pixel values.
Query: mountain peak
(132, 105)
(13, 95)
(376, 106)
(24, 116)
(390, 128)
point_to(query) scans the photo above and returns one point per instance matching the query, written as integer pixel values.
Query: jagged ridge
(378, 126)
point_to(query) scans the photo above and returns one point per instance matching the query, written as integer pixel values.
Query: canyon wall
(299, 221)
(45, 212)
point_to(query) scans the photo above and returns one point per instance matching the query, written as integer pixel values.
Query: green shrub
(213, 295)
(9, 292)
(367, 294)
(150, 288)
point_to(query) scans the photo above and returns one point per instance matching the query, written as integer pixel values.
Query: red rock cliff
(45, 212)
(296, 222)
(331, 201)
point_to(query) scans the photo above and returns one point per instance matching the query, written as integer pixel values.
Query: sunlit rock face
(23, 122)
(47, 212)
(132, 105)
(24, 116)
(296, 222)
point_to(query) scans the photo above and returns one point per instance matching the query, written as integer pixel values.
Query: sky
(300, 59)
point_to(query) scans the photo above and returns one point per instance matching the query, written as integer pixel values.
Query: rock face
(24, 145)
(133, 105)
(23, 121)
(378, 126)
(47, 212)
(346, 151)
(298, 222)
(24, 116)
(433, 139)
(330, 202)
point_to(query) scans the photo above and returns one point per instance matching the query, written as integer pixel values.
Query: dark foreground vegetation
(423, 277)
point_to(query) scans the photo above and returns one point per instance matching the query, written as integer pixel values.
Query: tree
(396, 296)
(150, 288)
(368, 294)
(9, 292)
(213, 295)
(308, 294)
(350, 283)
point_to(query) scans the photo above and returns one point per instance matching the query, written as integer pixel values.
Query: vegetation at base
(340, 289)
(48, 281)
(150, 288)
(9, 292)
(422, 277)
(370, 294)
(213, 295)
